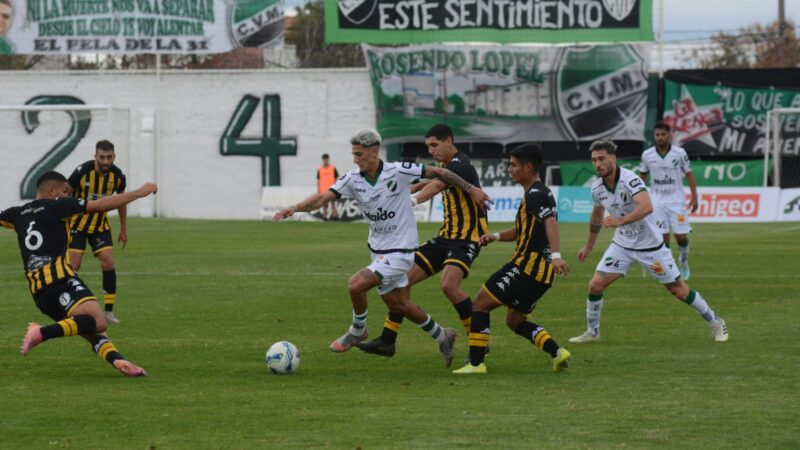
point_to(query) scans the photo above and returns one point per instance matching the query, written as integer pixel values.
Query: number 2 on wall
(78, 128)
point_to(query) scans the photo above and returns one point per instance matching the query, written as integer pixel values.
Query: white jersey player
(382, 191)
(636, 240)
(666, 165)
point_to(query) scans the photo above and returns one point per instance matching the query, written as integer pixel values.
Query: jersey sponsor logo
(657, 268)
(634, 183)
(727, 205)
(65, 299)
(379, 215)
(667, 180)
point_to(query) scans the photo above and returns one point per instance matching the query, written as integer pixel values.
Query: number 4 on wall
(270, 147)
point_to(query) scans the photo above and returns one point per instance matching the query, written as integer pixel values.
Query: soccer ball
(283, 357)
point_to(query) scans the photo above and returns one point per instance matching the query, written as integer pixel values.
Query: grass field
(200, 302)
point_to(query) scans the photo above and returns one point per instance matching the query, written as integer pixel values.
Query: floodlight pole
(781, 19)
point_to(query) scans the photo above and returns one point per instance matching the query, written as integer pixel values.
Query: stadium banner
(707, 173)
(719, 119)
(574, 204)
(735, 204)
(49, 27)
(510, 93)
(789, 207)
(499, 21)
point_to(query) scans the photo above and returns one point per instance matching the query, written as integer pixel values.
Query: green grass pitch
(201, 301)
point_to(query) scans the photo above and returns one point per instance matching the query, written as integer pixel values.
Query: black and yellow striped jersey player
(457, 244)
(519, 284)
(93, 180)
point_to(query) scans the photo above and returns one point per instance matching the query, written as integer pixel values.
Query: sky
(689, 20)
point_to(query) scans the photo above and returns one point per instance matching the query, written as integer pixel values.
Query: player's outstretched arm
(595, 225)
(480, 197)
(316, 201)
(554, 238)
(119, 200)
(431, 188)
(416, 187)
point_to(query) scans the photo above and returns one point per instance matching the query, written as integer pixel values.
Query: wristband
(496, 236)
(555, 255)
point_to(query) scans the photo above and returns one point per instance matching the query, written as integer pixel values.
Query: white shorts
(659, 264)
(672, 219)
(392, 269)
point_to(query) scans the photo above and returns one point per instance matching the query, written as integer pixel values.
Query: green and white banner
(728, 120)
(499, 21)
(707, 173)
(138, 26)
(511, 94)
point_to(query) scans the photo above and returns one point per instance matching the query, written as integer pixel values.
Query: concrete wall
(168, 129)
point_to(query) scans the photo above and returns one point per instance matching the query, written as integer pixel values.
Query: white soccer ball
(283, 357)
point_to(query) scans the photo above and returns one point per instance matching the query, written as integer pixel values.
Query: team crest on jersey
(256, 23)
(391, 185)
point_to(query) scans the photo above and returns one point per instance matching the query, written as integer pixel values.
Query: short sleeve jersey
(90, 184)
(666, 174)
(42, 228)
(640, 235)
(385, 204)
(463, 218)
(532, 253)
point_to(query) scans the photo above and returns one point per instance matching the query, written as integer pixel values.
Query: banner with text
(511, 94)
(139, 26)
(707, 173)
(728, 120)
(500, 21)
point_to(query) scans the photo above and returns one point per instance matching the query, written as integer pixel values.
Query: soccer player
(453, 251)
(520, 283)
(382, 191)
(637, 239)
(668, 164)
(92, 180)
(58, 292)
(326, 177)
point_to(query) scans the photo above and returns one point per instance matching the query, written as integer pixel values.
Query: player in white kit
(666, 166)
(636, 240)
(383, 193)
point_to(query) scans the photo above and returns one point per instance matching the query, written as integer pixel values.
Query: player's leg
(77, 246)
(109, 283)
(538, 336)
(385, 344)
(480, 329)
(335, 213)
(681, 229)
(456, 269)
(682, 291)
(398, 300)
(74, 309)
(427, 261)
(357, 287)
(612, 266)
(106, 350)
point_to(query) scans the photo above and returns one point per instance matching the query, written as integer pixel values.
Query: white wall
(191, 110)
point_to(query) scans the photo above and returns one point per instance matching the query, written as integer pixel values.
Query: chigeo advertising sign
(728, 120)
(735, 204)
(138, 26)
(500, 21)
(511, 93)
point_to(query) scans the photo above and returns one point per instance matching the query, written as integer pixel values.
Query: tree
(755, 47)
(308, 36)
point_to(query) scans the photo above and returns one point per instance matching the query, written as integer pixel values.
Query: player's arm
(428, 190)
(554, 238)
(644, 206)
(480, 197)
(505, 235)
(316, 201)
(116, 201)
(693, 187)
(595, 225)
(416, 187)
(122, 238)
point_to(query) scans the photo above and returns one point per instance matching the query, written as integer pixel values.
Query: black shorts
(510, 286)
(99, 241)
(433, 255)
(59, 299)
